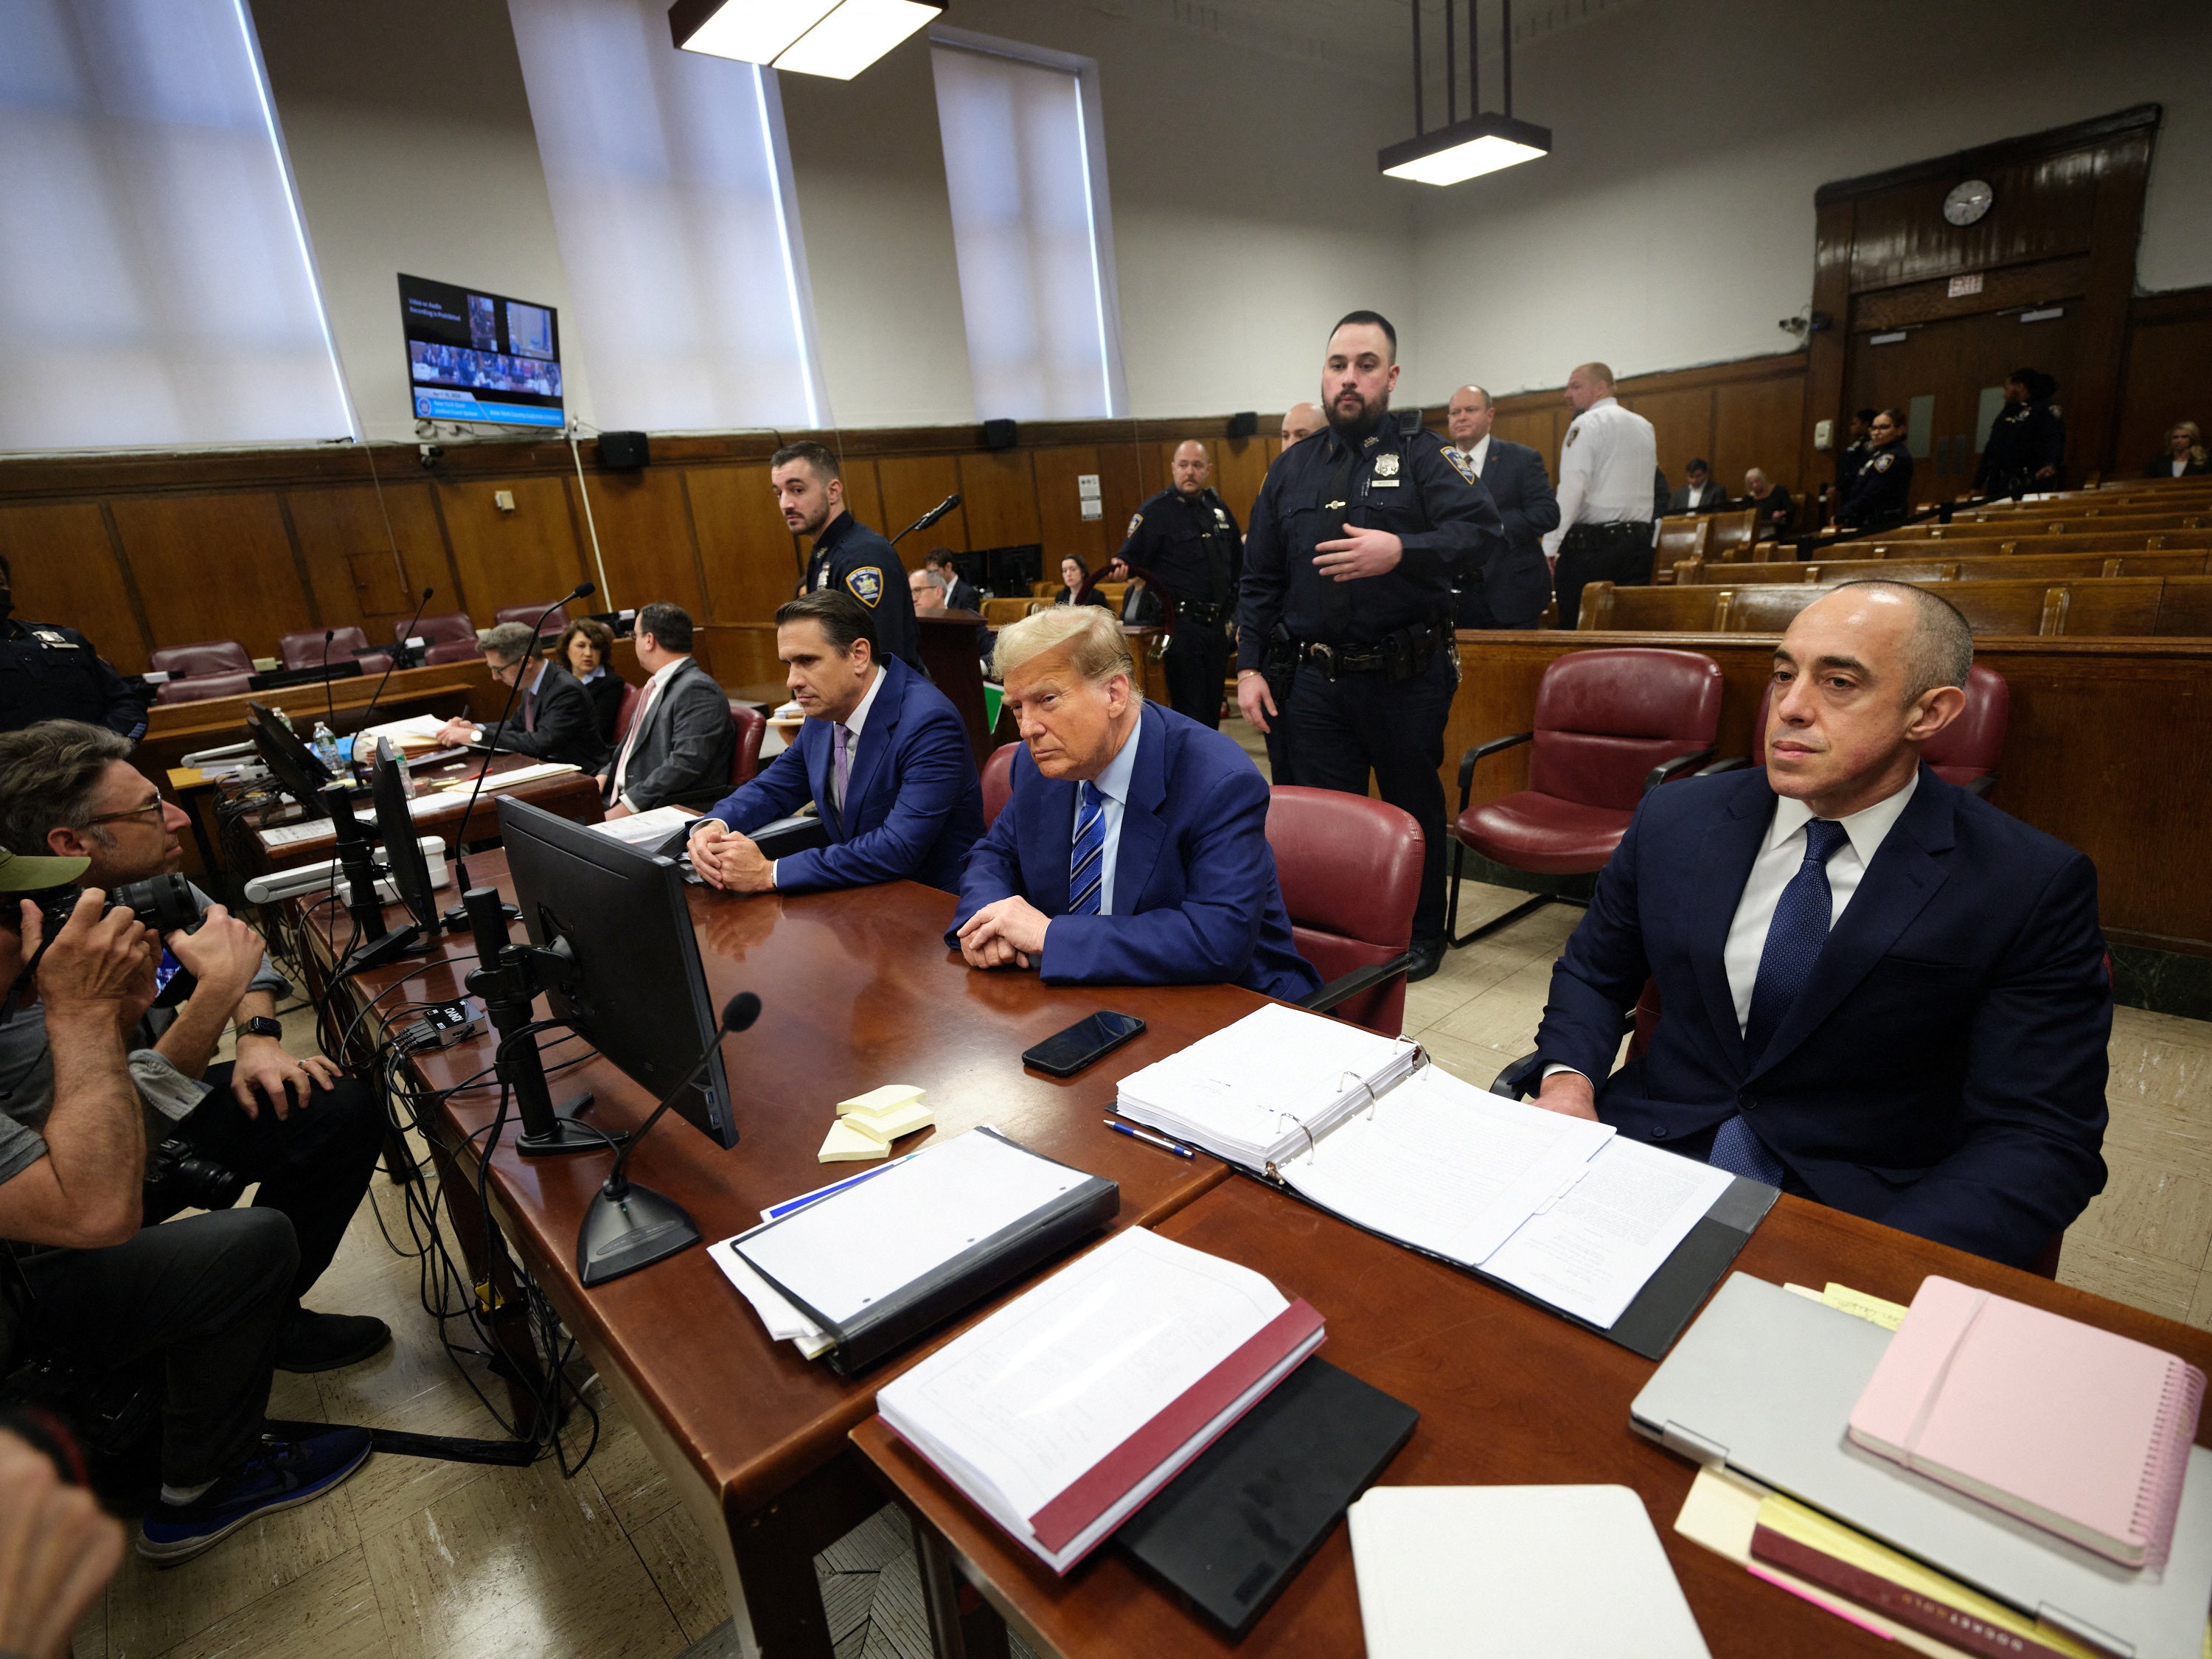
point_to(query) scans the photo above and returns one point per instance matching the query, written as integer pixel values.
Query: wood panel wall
(2169, 376)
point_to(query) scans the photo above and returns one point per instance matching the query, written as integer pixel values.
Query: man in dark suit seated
(1701, 495)
(679, 748)
(1133, 849)
(960, 594)
(1514, 583)
(555, 721)
(883, 753)
(1875, 990)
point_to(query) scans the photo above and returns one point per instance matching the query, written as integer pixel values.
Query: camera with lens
(180, 1176)
(164, 903)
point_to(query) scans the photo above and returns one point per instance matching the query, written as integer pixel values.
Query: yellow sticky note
(1842, 1297)
(893, 1122)
(882, 1099)
(847, 1145)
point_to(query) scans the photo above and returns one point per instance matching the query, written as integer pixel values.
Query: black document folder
(1232, 1530)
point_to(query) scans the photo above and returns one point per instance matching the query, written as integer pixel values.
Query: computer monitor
(638, 992)
(403, 847)
(1012, 570)
(480, 358)
(299, 771)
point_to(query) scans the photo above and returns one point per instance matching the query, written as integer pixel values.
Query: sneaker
(309, 1341)
(281, 1475)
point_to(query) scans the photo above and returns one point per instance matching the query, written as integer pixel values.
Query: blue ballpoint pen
(1149, 1139)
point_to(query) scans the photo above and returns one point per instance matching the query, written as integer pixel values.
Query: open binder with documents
(1621, 1238)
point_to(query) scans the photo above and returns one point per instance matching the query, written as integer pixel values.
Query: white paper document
(785, 1323)
(1444, 1166)
(845, 1253)
(648, 828)
(290, 834)
(1591, 1252)
(495, 781)
(417, 733)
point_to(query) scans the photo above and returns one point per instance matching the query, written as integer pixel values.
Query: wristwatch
(260, 1025)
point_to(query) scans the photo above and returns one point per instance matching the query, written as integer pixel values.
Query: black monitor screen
(480, 358)
(299, 771)
(403, 847)
(639, 993)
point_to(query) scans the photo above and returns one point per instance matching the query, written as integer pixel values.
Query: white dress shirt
(1114, 784)
(1779, 857)
(1606, 465)
(1471, 460)
(653, 687)
(2181, 467)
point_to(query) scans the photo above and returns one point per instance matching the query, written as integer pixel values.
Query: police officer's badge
(1882, 463)
(1221, 517)
(867, 584)
(1573, 432)
(1135, 518)
(1386, 466)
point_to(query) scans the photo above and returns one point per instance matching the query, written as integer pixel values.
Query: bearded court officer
(1605, 468)
(848, 555)
(1185, 544)
(1356, 539)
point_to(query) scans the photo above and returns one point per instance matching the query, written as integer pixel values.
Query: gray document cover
(1765, 1382)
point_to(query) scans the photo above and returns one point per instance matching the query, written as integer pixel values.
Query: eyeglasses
(157, 805)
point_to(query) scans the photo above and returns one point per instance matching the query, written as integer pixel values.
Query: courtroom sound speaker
(624, 450)
(999, 434)
(1243, 425)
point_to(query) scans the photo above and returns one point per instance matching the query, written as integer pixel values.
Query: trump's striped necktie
(1086, 860)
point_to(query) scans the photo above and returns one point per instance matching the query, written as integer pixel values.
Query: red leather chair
(556, 620)
(205, 657)
(200, 687)
(1966, 752)
(1350, 869)
(447, 625)
(998, 782)
(626, 711)
(1610, 725)
(445, 650)
(305, 650)
(744, 758)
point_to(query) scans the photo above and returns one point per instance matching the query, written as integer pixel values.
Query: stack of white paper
(416, 735)
(1270, 1085)
(495, 781)
(648, 828)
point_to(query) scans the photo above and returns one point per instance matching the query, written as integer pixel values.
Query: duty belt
(1206, 616)
(1400, 654)
(1620, 530)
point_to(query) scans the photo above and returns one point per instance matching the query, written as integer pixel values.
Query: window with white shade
(670, 185)
(1024, 164)
(155, 282)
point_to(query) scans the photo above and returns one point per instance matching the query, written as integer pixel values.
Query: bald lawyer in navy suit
(882, 754)
(1875, 990)
(1134, 847)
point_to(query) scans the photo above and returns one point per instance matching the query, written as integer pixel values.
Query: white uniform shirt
(1606, 466)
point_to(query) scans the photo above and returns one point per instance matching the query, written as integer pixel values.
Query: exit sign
(1962, 286)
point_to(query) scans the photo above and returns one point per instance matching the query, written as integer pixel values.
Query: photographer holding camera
(205, 1296)
(309, 1135)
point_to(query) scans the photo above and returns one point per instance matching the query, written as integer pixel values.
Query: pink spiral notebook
(2064, 1424)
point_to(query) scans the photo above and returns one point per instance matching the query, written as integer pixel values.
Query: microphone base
(619, 1236)
(456, 921)
(567, 1135)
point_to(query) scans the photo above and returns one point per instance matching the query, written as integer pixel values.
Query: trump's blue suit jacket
(913, 805)
(1943, 1069)
(1195, 898)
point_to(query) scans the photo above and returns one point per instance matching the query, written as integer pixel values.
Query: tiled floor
(414, 1559)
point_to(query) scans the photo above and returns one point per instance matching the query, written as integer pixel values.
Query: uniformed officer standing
(49, 672)
(1356, 539)
(1881, 494)
(1852, 456)
(847, 555)
(1608, 481)
(1185, 544)
(2028, 441)
(1280, 666)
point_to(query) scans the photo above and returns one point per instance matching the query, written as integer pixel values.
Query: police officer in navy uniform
(1881, 494)
(2027, 446)
(848, 555)
(1186, 546)
(49, 672)
(1357, 539)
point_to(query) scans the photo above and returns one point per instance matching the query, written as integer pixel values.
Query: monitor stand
(510, 978)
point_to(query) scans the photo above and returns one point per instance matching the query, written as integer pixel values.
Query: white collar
(666, 671)
(537, 679)
(1867, 827)
(1603, 403)
(858, 717)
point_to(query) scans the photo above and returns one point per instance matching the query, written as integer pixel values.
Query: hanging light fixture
(835, 38)
(1481, 143)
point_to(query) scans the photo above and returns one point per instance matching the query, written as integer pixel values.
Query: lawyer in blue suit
(1875, 990)
(1514, 583)
(903, 802)
(1134, 847)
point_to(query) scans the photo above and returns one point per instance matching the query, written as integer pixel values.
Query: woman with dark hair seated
(583, 649)
(1075, 585)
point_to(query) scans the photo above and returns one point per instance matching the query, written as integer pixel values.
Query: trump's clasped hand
(1008, 933)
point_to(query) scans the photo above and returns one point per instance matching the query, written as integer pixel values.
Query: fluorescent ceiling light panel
(1467, 149)
(855, 35)
(750, 31)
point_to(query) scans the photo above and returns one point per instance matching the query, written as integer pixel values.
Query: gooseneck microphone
(626, 1227)
(391, 660)
(457, 917)
(329, 697)
(928, 518)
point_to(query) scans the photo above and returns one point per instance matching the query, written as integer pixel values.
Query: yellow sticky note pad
(883, 1099)
(894, 1122)
(1887, 1314)
(847, 1145)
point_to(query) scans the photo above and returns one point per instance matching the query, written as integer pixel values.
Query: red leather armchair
(305, 650)
(204, 657)
(446, 626)
(1610, 725)
(1350, 869)
(555, 619)
(445, 650)
(744, 755)
(626, 711)
(998, 782)
(1966, 752)
(200, 687)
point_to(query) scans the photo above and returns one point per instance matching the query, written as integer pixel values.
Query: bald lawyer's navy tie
(1794, 941)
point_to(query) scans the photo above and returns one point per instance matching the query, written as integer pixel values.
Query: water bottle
(406, 775)
(326, 749)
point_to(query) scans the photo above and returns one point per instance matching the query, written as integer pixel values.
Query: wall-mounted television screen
(480, 358)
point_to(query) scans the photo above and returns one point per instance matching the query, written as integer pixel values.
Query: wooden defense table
(1508, 1395)
(857, 989)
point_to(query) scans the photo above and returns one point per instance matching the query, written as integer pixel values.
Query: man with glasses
(307, 1134)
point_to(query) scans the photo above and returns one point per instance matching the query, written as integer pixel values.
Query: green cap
(19, 874)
